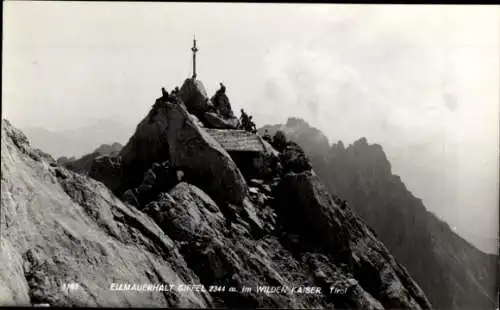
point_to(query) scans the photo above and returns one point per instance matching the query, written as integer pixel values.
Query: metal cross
(194, 49)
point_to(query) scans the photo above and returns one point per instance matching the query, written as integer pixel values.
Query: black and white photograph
(250, 155)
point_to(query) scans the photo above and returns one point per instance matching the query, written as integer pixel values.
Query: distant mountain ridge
(84, 163)
(79, 141)
(451, 271)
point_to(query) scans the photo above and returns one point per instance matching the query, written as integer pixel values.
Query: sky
(421, 80)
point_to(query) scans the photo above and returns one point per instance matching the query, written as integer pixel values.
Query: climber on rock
(247, 123)
(244, 119)
(174, 96)
(222, 88)
(251, 125)
(164, 94)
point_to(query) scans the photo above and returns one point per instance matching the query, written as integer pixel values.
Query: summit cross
(194, 49)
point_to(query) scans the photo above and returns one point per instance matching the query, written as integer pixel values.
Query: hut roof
(238, 140)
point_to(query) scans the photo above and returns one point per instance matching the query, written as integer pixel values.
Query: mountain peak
(297, 122)
(361, 142)
(198, 200)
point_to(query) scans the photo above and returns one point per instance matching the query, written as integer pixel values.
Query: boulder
(222, 105)
(186, 213)
(195, 97)
(202, 159)
(214, 120)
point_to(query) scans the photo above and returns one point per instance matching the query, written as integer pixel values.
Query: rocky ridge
(212, 225)
(452, 272)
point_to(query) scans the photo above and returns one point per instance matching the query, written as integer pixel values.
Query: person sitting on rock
(174, 96)
(246, 122)
(251, 125)
(244, 119)
(164, 93)
(222, 88)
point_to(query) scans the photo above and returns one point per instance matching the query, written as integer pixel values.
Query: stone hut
(253, 156)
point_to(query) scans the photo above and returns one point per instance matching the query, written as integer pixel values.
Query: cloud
(450, 101)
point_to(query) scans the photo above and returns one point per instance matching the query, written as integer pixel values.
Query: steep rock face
(59, 227)
(203, 160)
(309, 206)
(452, 272)
(147, 145)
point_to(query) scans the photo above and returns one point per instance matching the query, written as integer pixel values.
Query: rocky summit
(187, 214)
